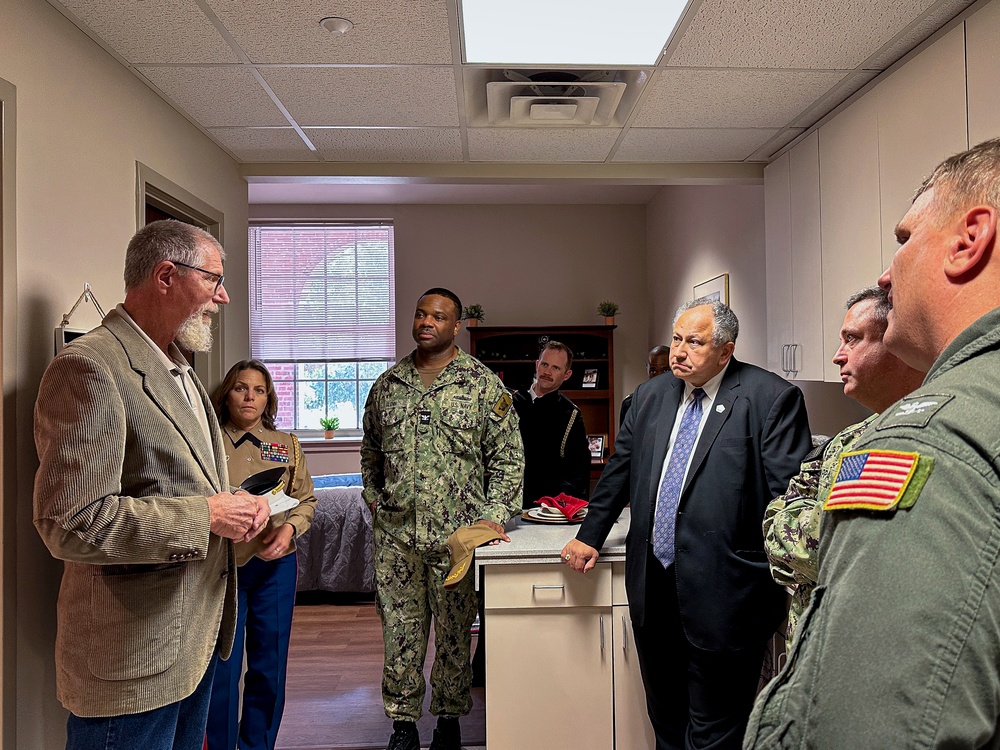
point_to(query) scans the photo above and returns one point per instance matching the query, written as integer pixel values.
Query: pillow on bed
(337, 480)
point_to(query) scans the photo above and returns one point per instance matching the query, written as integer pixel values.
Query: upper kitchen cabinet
(850, 215)
(983, 61)
(922, 121)
(778, 262)
(794, 265)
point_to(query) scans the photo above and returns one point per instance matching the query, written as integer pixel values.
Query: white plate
(559, 517)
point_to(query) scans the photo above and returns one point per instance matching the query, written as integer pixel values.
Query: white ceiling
(740, 80)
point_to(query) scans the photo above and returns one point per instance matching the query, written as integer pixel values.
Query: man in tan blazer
(132, 493)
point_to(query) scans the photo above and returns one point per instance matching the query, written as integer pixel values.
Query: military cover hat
(462, 546)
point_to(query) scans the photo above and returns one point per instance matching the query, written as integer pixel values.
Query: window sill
(347, 444)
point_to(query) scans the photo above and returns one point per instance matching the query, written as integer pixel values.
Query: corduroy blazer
(147, 593)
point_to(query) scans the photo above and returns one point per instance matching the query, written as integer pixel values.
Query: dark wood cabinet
(511, 351)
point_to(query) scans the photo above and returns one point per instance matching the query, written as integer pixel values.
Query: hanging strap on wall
(87, 295)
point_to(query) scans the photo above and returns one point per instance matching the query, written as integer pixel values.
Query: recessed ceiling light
(568, 32)
(336, 25)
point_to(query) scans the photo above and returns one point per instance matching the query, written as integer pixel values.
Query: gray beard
(195, 335)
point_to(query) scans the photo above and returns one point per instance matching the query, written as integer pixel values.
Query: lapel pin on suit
(720, 408)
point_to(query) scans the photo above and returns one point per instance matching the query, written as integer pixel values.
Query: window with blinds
(322, 316)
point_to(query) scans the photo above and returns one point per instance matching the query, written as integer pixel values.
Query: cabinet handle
(536, 587)
(624, 636)
(602, 634)
(794, 368)
(784, 358)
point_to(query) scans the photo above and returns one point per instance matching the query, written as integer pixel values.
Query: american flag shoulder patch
(877, 480)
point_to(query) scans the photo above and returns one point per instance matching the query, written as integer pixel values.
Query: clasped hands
(240, 516)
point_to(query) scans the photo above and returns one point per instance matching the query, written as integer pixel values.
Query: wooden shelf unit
(511, 351)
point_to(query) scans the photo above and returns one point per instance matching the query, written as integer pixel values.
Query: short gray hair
(726, 326)
(969, 178)
(166, 239)
(880, 308)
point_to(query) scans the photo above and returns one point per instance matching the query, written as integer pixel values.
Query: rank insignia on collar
(878, 480)
(502, 406)
(277, 452)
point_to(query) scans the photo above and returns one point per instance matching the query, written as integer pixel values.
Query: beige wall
(83, 123)
(696, 233)
(526, 265)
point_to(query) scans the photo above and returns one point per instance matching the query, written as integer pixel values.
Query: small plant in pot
(608, 310)
(329, 425)
(473, 314)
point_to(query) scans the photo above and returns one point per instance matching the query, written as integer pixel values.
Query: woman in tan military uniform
(247, 403)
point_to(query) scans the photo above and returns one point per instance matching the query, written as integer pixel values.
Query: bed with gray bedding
(336, 553)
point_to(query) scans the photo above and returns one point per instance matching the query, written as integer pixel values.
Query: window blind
(322, 292)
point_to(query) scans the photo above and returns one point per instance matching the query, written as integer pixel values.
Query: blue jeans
(266, 590)
(176, 726)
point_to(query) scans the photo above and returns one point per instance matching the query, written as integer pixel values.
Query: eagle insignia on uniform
(878, 480)
(502, 406)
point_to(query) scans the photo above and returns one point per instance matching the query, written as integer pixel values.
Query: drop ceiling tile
(775, 144)
(814, 34)
(548, 145)
(684, 144)
(154, 32)
(937, 17)
(387, 144)
(217, 96)
(834, 97)
(367, 96)
(387, 31)
(731, 98)
(264, 144)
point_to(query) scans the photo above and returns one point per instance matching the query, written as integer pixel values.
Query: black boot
(404, 736)
(447, 734)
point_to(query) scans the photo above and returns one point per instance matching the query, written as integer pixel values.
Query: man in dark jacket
(556, 457)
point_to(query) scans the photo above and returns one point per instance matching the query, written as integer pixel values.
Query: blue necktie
(665, 520)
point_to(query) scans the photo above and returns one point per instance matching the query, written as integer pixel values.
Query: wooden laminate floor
(333, 694)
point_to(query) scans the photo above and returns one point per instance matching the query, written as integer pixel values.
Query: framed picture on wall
(716, 288)
(590, 378)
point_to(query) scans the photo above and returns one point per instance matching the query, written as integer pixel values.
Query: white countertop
(542, 543)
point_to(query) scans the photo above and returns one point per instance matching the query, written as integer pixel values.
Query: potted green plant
(473, 314)
(329, 425)
(608, 309)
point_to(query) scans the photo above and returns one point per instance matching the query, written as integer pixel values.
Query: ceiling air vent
(553, 98)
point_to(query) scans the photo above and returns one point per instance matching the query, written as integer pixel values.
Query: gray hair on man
(725, 328)
(970, 177)
(167, 239)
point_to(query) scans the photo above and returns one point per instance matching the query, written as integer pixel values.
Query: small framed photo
(596, 445)
(716, 289)
(590, 378)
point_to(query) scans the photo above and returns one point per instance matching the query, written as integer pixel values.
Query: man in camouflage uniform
(900, 646)
(874, 378)
(441, 450)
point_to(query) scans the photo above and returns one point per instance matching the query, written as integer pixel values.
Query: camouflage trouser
(409, 589)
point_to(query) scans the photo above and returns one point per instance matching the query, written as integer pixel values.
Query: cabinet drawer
(546, 585)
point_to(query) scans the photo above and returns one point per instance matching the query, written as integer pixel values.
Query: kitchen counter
(542, 543)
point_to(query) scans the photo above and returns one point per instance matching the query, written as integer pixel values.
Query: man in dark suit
(700, 455)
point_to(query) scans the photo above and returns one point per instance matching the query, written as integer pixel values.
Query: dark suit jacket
(755, 436)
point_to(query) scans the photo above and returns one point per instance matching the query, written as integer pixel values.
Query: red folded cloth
(568, 504)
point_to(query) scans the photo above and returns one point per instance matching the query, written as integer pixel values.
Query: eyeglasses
(219, 277)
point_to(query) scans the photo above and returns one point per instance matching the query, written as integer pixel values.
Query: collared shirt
(183, 374)
(711, 389)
